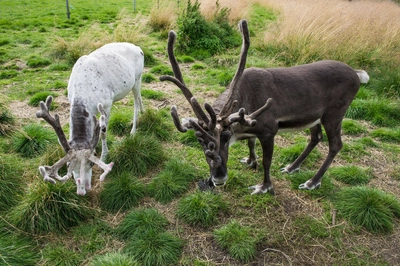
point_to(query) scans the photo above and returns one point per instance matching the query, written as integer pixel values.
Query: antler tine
(227, 108)
(247, 120)
(54, 122)
(199, 111)
(211, 125)
(175, 117)
(172, 58)
(186, 92)
(51, 172)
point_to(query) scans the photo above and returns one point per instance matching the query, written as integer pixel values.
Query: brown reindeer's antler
(54, 122)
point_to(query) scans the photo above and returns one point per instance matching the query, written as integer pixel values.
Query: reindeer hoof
(204, 185)
(286, 170)
(309, 186)
(252, 164)
(260, 189)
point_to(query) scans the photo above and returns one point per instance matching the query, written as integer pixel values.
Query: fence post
(67, 4)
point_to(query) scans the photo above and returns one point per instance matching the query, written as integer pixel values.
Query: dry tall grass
(357, 32)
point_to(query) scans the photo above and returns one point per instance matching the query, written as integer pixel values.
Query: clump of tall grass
(7, 121)
(201, 208)
(162, 19)
(114, 258)
(326, 30)
(136, 154)
(141, 221)
(11, 180)
(120, 122)
(42, 96)
(172, 181)
(17, 250)
(370, 208)
(33, 140)
(122, 193)
(50, 208)
(351, 175)
(153, 95)
(155, 248)
(238, 240)
(156, 123)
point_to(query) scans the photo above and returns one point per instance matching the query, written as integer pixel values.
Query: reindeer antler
(230, 105)
(54, 122)
(246, 120)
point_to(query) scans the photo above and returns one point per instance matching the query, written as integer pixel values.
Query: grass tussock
(162, 18)
(238, 240)
(172, 181)
(141, 221)
(201, 208)
(136, 154)
(50, 208)
(153, 248)
(11, 185)
(122, 193)
(33, 140)
(351, 174)
(16, 250)
(370, 208)
(114, 258)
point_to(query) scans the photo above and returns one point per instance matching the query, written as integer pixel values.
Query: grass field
(149, 210)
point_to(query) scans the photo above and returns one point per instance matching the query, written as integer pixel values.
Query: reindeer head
(79, 157)
(214, 130)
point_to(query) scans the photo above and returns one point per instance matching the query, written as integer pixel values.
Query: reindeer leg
(335, 144)
(267, 144)
(252, 159)
(316, 137)
(138, 104)
(103, 131)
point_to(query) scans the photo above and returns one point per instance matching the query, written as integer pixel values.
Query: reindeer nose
(81, 192)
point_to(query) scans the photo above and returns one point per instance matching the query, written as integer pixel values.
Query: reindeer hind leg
(251, 161)
(138, 104)
(316, 137)
(335, 144)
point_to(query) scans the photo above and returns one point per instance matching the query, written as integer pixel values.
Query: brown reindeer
(259, 103)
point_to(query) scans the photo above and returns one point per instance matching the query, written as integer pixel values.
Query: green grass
(33, 140)
(351, 175)
(238, 240)
(387, 134)
(114, 258)
(121, 193)
(41, 97)
(153, 95)
(201, 209)
(153, 248)
(17, 250)
(120, 122)
(172, 181)
(351, 127)
(11, 180)
(156, 123)
(141, 221)
(48, 208)
(370, 208)
(136, 154)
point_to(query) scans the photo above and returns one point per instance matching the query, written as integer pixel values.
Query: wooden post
(68, 14)
(134, 5)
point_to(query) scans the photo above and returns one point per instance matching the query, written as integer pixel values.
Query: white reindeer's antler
(51, 172)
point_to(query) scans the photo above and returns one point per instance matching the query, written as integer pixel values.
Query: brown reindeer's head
(79, 156)
(214, 130)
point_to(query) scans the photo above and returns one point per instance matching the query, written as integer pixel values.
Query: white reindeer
(97, 81)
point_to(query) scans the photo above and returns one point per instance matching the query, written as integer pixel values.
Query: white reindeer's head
(79, 155)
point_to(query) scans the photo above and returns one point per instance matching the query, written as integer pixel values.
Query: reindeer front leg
(267, 144)
(103, 131)
(251, 161)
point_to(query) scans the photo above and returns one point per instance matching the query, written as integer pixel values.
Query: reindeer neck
(81, 124)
